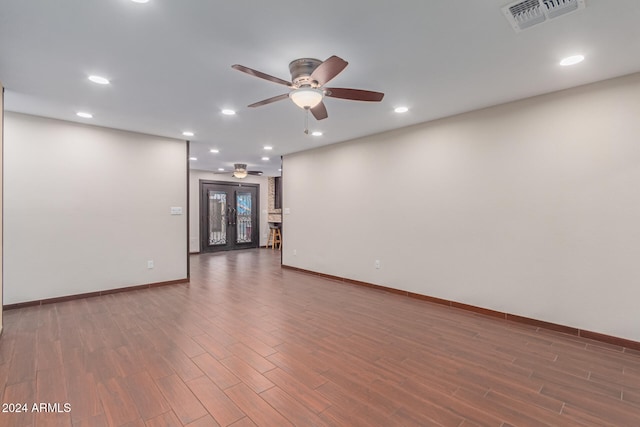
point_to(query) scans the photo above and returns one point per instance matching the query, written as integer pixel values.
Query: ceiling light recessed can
(140, 1)
(188, 133)
(99, 80)
(214, 151)
(84, 115)
(572, 60)
(193, 158)
(268, 147)
(228, 112)
(401, 109)
(220, 169)
(265, 158)
(316, 133)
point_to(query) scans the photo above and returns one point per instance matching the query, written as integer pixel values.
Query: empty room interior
(414, 213)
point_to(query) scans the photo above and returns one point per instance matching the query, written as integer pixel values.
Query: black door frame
(204, 203)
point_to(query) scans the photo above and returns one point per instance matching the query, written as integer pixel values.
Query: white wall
(195, 176)
(1, 197)
(86, 207)
(530, 208)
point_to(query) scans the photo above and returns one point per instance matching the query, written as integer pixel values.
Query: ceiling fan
(308, 79)
(240, 171)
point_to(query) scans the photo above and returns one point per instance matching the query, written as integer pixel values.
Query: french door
(228, 216)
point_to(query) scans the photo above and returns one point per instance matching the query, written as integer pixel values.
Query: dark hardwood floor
(247, 343)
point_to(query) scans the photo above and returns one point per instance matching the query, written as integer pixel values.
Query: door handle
(229, 215)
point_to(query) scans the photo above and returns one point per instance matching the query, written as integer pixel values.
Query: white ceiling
(169, 63)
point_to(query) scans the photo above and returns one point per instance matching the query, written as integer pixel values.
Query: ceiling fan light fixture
(240, 170)
(306, 97)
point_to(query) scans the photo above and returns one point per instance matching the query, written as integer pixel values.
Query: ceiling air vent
(525, 14)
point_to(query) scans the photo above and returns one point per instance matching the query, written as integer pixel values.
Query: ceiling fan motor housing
(301, 70)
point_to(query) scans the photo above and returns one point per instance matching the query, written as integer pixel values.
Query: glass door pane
(217, 218)
(243, 224)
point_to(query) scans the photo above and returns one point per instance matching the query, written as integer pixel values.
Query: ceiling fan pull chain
(306, 120)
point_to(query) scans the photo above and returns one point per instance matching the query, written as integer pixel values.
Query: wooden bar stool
(275, 236)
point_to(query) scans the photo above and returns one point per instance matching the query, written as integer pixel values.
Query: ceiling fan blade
(328, 70)
(320, 111)
(258, 173)
(270, 100)
(260, 74)
(353, 94)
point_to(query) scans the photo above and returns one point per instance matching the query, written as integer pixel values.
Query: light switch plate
(176, 210)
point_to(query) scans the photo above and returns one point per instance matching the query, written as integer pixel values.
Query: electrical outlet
(150, 263)
(377, 263)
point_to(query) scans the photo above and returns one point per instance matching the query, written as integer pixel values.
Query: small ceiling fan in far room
(308, 79)
(240, 171)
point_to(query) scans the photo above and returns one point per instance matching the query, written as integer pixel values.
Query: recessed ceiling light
(220, 169)
(228, 112)
(265, 158)
(215, 151)
(100, 80)
(279, 170)
(84, 115)
(401, 109)
(188, 133)
(140, 1)
(268, 147)
(572, 60)
(316, 133)
(193, 158)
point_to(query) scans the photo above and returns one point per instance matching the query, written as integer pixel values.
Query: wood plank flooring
(247, 343)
